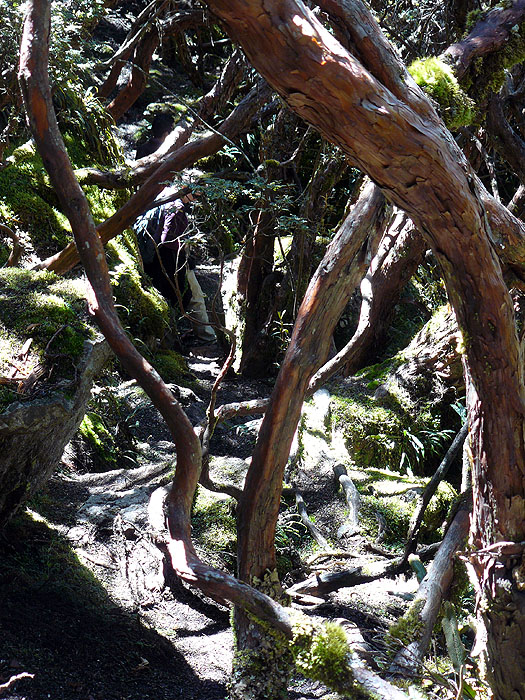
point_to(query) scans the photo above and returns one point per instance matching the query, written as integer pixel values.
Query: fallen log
(309, 524)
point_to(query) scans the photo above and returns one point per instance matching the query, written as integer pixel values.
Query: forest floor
(87, 607)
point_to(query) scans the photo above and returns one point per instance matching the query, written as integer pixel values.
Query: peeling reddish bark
(408, 152)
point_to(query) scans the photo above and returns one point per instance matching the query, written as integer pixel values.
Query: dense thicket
(356, 185)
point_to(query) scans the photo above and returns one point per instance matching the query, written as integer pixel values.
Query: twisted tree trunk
(367, 104)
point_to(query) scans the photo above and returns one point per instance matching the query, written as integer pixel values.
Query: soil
(87, 605)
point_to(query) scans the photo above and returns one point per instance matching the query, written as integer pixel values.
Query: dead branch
(330, 581)
(309, 524)
(430, 489)
(351, 527)
(17, 250)
(431, 592)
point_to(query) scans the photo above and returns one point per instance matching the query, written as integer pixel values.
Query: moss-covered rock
(143, 310)
(29, 205)
(47, 311)
(173, 368)
(99, 438)
(437, 79)
(372, 432)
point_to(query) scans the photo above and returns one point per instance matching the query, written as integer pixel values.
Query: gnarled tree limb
(241, 116)
(37, 96)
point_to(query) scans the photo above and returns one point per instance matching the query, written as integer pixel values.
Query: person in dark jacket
(172, 267)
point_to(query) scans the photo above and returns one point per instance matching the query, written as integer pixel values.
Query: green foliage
(438, 80)
(87, 123)
(455, 647)
(382, 432)
(226, 208)
(70, 67)
(417, 566)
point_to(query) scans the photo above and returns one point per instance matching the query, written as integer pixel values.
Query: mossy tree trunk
(368, 105)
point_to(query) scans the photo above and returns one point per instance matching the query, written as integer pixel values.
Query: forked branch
(37, 97)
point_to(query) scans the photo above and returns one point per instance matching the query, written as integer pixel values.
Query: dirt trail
(85, 603)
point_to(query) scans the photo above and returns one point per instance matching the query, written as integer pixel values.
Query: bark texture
(37, 97)
(389, 130)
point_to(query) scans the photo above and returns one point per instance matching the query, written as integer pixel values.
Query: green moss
(262, 672)
(48, 309)
(143, 311)
(99, 438)
(473, 17)
(406, 629)
(437, 79)
(321, 652)
(436, 511)
(214, 527)
(27, 203)
(370, 430)
(172, 367)
(487, 74)
(396, 513)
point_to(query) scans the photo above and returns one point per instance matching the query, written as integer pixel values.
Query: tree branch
(488, 35)
(183, 158)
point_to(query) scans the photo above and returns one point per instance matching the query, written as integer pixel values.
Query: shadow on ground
(58, 623)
